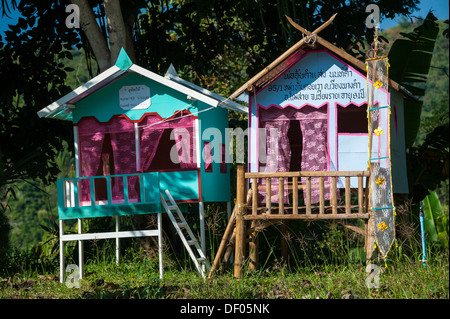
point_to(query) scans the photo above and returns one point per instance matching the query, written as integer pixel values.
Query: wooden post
(284, 241)
(295, 195)
(284, 229)
(253, 248)
(333, 195)
(369, 241)
(240, 223)
(308, 195)
(321, 196)
(255, 197)
(281, 195)
(348, 196)
(269, 195)
(360, 195)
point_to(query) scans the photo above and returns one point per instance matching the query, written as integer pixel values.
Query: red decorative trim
(181, 112)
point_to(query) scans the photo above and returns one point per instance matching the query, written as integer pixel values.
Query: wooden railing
(260, 215)
(70, 205)
(301, 207)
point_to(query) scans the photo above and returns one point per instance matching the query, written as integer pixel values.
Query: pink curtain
(149, 136)
(207, 156)
(314, 155)
(185, 144)
(313, 123)
(152, 127)
(123, 144)
(91, 135)
(278, 157)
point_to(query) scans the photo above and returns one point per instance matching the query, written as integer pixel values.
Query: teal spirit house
(137, 134)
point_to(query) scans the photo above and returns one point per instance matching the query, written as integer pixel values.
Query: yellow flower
(378, 131)
(378, 84)
(380, 181)
(382, 226)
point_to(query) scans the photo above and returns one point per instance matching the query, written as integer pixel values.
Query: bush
(5, 229)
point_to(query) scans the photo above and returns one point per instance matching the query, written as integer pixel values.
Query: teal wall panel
(215, 185)
(104, 103)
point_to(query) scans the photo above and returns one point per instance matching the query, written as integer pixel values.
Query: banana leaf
(435, 221)
(410, 60)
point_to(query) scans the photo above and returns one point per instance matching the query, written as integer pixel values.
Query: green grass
(326, 262)
(137, 277)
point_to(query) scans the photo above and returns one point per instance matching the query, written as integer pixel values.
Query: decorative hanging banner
(381, 194)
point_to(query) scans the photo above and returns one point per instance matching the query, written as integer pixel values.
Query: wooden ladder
(185, 233)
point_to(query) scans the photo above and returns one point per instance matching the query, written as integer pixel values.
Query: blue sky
(440, 10)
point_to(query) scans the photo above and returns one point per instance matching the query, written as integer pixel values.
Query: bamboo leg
(229, 230)
(370, 238)
(240, 223)
(240, 244)
(284, 242)
(369, 245)
(229, 249)
(228, 241)
(253, 248)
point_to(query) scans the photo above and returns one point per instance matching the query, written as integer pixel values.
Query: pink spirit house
(138, 134)
(309, 113)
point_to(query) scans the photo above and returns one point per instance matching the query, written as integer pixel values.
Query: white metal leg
(80, 250)
(117, 241)
(160, 245)
(202, 226)
(61, 251)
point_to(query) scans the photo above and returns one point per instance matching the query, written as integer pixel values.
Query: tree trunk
(94, 34)
(120, 35)
(116, 28)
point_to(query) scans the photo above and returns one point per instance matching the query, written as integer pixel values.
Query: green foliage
(32, 77)
(435, 221)
(410, 60)
(4, 234)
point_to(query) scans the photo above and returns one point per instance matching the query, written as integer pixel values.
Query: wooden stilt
(284, 242)
(369, 245)
(228, 240)
(369, 242)
(240, 223)
(253, 248)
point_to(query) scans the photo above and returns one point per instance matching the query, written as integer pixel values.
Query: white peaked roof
(62, 108)
(172, 74)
